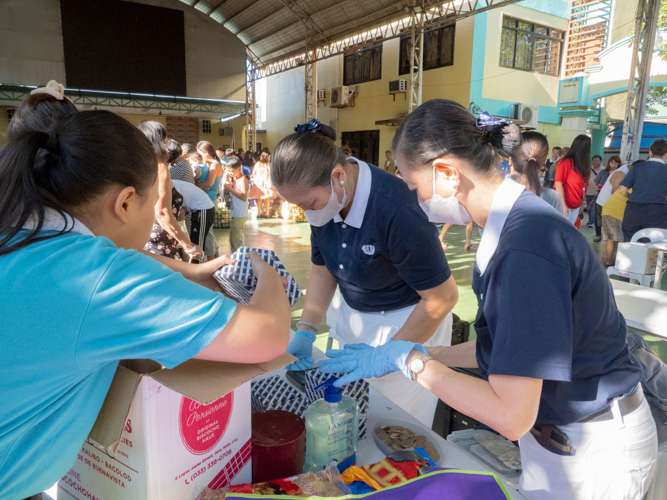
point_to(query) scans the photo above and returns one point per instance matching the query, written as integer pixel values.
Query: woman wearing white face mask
(370, 238)
(557, 375)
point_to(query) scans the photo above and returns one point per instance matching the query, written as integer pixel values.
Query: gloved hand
(364, 361)
(301, 347)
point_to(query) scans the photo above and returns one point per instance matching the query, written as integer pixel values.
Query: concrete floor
(291, 242)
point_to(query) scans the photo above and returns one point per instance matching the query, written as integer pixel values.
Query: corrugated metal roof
(276, 29)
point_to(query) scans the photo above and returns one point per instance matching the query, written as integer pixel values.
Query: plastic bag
(325, 484)
(499, 447)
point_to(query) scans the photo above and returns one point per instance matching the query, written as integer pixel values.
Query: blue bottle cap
(331, 394)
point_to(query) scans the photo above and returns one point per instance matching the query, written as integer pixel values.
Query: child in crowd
(196, 161)
(237, 185)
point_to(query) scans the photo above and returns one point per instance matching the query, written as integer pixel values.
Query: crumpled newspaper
(504, 450)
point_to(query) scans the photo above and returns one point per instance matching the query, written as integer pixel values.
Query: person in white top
(200, 205)
(591, 193)
(237, 185)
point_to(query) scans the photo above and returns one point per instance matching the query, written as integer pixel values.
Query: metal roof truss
(435, 15)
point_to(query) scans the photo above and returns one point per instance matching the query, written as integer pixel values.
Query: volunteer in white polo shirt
(371, 239)
(557, 374)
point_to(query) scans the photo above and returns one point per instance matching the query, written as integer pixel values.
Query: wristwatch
(417, 366)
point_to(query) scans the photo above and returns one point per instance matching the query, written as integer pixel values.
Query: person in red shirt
(572, 173)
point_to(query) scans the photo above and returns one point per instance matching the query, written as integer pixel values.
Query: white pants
(354, 327)
(613, 460)
(572, 215)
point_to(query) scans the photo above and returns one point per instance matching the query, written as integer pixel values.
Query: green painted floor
(291, 242)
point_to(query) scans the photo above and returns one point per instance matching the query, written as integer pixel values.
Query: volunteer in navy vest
(556, 374)
(647, 204)
(369, 237)
(76, 208)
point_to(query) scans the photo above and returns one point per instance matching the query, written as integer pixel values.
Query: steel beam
(436, 14)
(310, 84)
(250, 106)
(640, 72)
(92, 98)
(417, 19)
(302, 15)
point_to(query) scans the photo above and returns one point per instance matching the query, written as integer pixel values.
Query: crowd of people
(91, 222)
(621, 199)
(237, 181)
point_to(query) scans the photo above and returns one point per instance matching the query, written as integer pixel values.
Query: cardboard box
(636, 258)
(167, 434)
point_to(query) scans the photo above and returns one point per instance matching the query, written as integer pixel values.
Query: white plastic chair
(658, 240)
(642, 279)
(654, 234)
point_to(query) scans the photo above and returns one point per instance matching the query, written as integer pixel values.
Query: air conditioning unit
(398, 86)
(343, 97)
(321, 95)
(226, 131)
(527, 113)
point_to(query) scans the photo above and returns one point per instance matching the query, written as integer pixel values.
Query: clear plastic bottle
(332, 428)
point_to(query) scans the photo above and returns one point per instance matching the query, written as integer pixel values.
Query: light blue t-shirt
(72, 307)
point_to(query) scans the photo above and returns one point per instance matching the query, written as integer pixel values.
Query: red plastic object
(278, 445)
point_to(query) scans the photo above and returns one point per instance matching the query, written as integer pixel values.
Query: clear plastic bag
(504, 450)
(325, 484)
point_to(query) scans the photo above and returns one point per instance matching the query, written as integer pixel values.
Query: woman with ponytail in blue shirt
(76, 208)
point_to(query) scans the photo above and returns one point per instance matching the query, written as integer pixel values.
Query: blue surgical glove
(301, 347)
(363, 361)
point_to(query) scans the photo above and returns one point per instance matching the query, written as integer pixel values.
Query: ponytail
(22, 160)
(77, 160)
(529, 158)
(445, 128)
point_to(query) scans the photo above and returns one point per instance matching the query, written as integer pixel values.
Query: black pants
(598, 219)
(640, 216)
(202, 220)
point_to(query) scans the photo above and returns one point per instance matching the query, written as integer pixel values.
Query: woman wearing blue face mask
(371, 239)
(557, 374)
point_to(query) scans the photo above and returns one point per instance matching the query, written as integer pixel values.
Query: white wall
(31, 48)
(31, 42)
(285, 105)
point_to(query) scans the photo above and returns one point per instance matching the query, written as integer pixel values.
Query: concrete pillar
(598, 137)
(572, 127)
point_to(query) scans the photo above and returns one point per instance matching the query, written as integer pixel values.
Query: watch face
(417, 366)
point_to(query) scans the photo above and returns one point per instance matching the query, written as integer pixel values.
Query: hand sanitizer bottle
(332, 428)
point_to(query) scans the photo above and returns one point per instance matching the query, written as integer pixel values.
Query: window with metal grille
(206, 126)
(10, 114)
(363, 66)
(530, 47)
(438, 50)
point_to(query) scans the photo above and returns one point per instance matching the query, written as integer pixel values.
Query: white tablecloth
(381, 408)
(644, 308)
